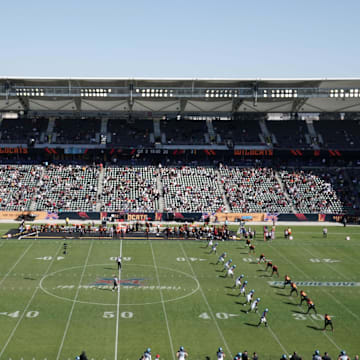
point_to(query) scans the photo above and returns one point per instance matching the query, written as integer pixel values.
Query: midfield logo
(126, 282)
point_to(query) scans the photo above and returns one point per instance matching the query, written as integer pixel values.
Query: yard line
(26, 307)
(18, 260)
(332, 296)
(74, 301)
(277, 340)
(118, 309)
(162, 302)
(344, 306)
(300, 270)
(206, 301)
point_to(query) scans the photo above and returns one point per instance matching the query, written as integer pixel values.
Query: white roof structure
(115, 96)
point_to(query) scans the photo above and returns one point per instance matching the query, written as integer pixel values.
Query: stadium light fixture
(344, 93)
(283, 93)
(155, 92)
(29, 92)
(221, 93)
(94, 92)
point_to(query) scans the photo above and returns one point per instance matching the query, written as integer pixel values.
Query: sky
(232, 39)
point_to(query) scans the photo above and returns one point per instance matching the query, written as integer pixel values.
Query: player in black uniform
(328, 321)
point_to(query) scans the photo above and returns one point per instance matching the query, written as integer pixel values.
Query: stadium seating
(310, 193)
(67, 188)
(129, 133)
(18, 185)
(244, 131)
(190, 131)
(178, 189)
(21, 130)
(128, 188)
(69, 131)
(253, 190)
(191, 189)
(339, 134)
(289, 133)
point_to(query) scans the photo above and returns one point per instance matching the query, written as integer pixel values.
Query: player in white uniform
(249, 297)
(181, 354)
(227, 265)
(210, 243)
(238, 281)
(242, 289)
(343, 356)
(230, 272)
(147, 354)
(221, 258)
(254, 305)
(213, 248)
(263, 318)
(220, 354)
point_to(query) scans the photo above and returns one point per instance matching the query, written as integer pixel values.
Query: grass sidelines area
(172, 294)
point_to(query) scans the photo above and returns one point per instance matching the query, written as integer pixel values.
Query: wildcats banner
(253, 152)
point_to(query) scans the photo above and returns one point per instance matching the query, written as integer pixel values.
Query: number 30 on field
(124, 314)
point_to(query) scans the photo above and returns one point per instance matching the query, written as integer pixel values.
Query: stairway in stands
(160, 188)
(222, 190)
(99, 188)
(32, 206)
(286, 194)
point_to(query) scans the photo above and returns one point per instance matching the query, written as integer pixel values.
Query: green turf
(183, 300)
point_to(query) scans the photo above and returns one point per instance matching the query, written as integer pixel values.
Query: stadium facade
(237, 122)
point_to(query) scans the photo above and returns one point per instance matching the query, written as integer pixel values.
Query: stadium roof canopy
(116, 96)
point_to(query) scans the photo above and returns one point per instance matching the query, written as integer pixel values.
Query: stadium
(175, 177)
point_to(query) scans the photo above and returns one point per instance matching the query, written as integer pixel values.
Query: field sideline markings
(206, 302)
(26, 308)
(300, 270)
(332, 296)
(74, 302)
(118, 307)
(162, 302)
(277, 340)
(18, 260)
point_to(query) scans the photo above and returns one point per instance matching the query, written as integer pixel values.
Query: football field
(172, 293)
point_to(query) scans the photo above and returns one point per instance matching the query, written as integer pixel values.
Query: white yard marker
(206, 302)
(18, 260)
(26, 309)
(118, 309)
(162, 301)
(74, 302)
